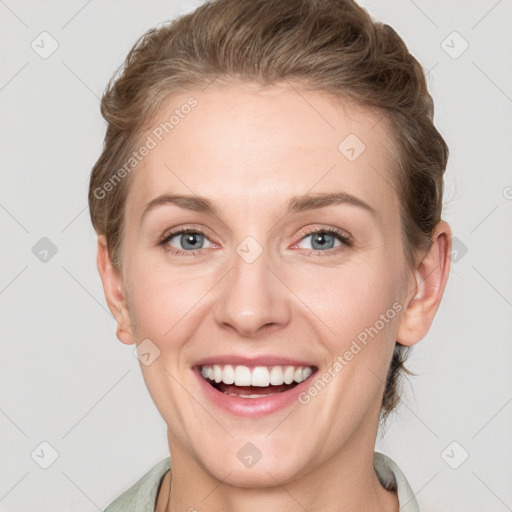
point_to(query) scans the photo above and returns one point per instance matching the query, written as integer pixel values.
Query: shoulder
(141, 496)
(392, 478)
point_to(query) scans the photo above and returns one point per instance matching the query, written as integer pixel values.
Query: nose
(253, 300)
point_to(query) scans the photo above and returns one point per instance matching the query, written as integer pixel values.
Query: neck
(345, 482)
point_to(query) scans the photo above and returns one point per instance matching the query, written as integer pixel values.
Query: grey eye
(187, 240)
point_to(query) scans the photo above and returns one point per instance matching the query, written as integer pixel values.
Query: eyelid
(184, 228)
(343, 236)
(345, 242)
(327, 229)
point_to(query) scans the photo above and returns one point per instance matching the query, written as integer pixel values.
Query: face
(291, 258)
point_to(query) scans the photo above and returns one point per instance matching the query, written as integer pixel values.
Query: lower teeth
(248, 396)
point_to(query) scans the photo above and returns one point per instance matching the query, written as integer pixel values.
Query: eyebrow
(295, 204)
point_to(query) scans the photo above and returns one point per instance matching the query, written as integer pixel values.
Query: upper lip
(237, 360)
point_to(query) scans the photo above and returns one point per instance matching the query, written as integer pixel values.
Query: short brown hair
(327, 45)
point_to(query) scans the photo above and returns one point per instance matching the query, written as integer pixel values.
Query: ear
(115, 294)
(429, 282)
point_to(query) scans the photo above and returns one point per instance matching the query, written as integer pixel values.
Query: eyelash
(344, 239)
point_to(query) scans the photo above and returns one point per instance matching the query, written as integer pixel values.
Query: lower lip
(251, 407)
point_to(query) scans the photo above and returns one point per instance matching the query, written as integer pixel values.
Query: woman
(268, 210)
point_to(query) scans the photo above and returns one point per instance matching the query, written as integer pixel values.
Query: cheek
(166, 302)
(162, 301)
(356, 303)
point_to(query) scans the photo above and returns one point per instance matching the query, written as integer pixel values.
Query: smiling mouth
(261, 381)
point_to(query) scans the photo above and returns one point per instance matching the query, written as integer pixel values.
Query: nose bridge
(252, 297)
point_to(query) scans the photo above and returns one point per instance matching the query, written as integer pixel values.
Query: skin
(249, 150)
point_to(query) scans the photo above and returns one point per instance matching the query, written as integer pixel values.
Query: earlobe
(114, 290)
(430, 277)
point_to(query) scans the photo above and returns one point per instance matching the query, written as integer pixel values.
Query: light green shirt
(141, 496)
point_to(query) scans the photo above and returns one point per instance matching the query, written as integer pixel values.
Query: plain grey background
(67, 382)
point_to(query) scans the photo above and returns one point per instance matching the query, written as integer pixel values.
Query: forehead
(248, 146)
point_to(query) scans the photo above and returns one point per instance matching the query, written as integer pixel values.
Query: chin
(263, 476)
(250, 467)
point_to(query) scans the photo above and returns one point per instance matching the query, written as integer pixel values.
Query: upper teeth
(261, 376)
